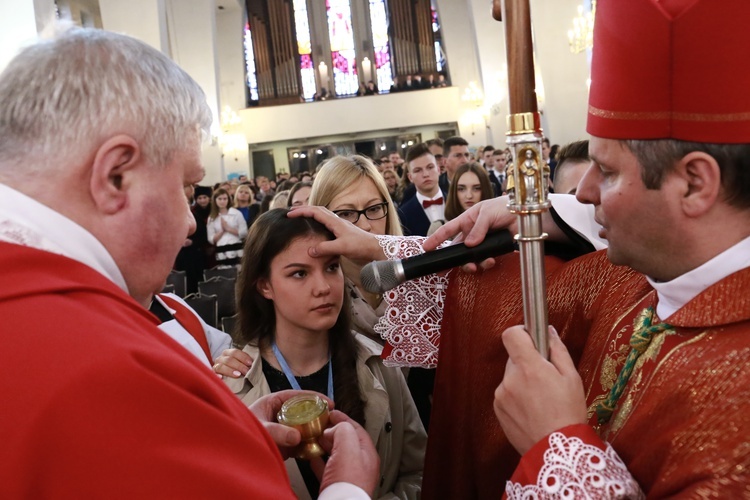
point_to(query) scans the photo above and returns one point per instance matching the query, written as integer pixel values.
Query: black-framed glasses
(373, 212)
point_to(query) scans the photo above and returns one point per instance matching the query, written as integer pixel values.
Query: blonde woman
(391, 181)
(353, 189)
(279, 200)
(244, 201)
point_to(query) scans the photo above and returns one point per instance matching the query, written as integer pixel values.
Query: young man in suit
(428, 205)
(456, 153)
(497, 171)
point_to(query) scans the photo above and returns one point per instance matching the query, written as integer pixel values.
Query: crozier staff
(527, 185)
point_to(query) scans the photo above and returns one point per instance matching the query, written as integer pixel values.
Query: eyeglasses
(373, 212)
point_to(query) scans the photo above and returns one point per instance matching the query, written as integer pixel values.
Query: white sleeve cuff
(343, 491)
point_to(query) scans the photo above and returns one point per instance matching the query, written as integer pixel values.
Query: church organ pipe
(426, 37)
(411, 36)
(404, 20)
(285, 55)
(394, 36)
(399, 37)
(416, 38)
(276, 46)
(291, 50)
(262, 67)
(411, 39)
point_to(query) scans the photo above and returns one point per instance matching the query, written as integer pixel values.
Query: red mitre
(671, 69)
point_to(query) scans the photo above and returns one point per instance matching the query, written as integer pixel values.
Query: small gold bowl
(308, 414)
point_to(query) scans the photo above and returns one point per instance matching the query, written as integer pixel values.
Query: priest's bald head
(671, 164)
(107, 131)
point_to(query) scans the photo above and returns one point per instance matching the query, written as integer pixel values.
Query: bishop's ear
(111, 174)
(701, 176)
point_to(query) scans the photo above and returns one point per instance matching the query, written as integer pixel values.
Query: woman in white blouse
(226, 225)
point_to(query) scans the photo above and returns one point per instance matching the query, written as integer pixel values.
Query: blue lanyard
(293, 381)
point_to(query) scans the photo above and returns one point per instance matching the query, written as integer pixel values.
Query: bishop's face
(638, 223)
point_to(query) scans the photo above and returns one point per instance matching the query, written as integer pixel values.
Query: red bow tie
(429, 203)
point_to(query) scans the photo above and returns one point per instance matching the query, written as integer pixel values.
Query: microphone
(381, 276)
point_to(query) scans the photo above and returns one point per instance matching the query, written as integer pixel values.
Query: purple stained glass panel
(306, 65)
(252, 80)
(343, 56)
(379, 26)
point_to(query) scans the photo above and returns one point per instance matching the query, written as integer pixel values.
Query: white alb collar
(27, 222)
(674, 294)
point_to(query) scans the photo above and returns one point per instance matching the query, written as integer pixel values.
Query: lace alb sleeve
(414, 310)
(571, 467)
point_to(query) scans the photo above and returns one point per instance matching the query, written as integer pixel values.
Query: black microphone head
(379, 276)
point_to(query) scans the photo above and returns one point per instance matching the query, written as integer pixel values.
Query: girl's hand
(233, 363)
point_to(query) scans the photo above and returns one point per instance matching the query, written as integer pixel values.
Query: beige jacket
(391, 421)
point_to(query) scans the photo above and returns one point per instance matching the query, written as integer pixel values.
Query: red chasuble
(99, 403)
(468, 455)
(681, 426)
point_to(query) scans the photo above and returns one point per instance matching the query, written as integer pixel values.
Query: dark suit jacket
(496, 186)
(409, 193)
(413, 219)
(443, 182)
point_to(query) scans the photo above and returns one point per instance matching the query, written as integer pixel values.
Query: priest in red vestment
(99, 135)
(651, 397)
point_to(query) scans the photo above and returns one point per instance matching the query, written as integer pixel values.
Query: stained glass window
(439, 56)
(304, 48)
(341, 36)
(252, 80)
(379, 24)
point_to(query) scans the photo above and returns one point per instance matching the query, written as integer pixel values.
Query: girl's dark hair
(265, 203)
(271, 234)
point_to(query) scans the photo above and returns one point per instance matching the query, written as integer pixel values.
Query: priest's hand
(351, 242)
(536, 396)
(266, 408)
(353, 458)
(473, 225)
(233, 363)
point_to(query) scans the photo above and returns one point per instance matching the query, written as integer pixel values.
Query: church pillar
(145, 20)
(192, 40)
